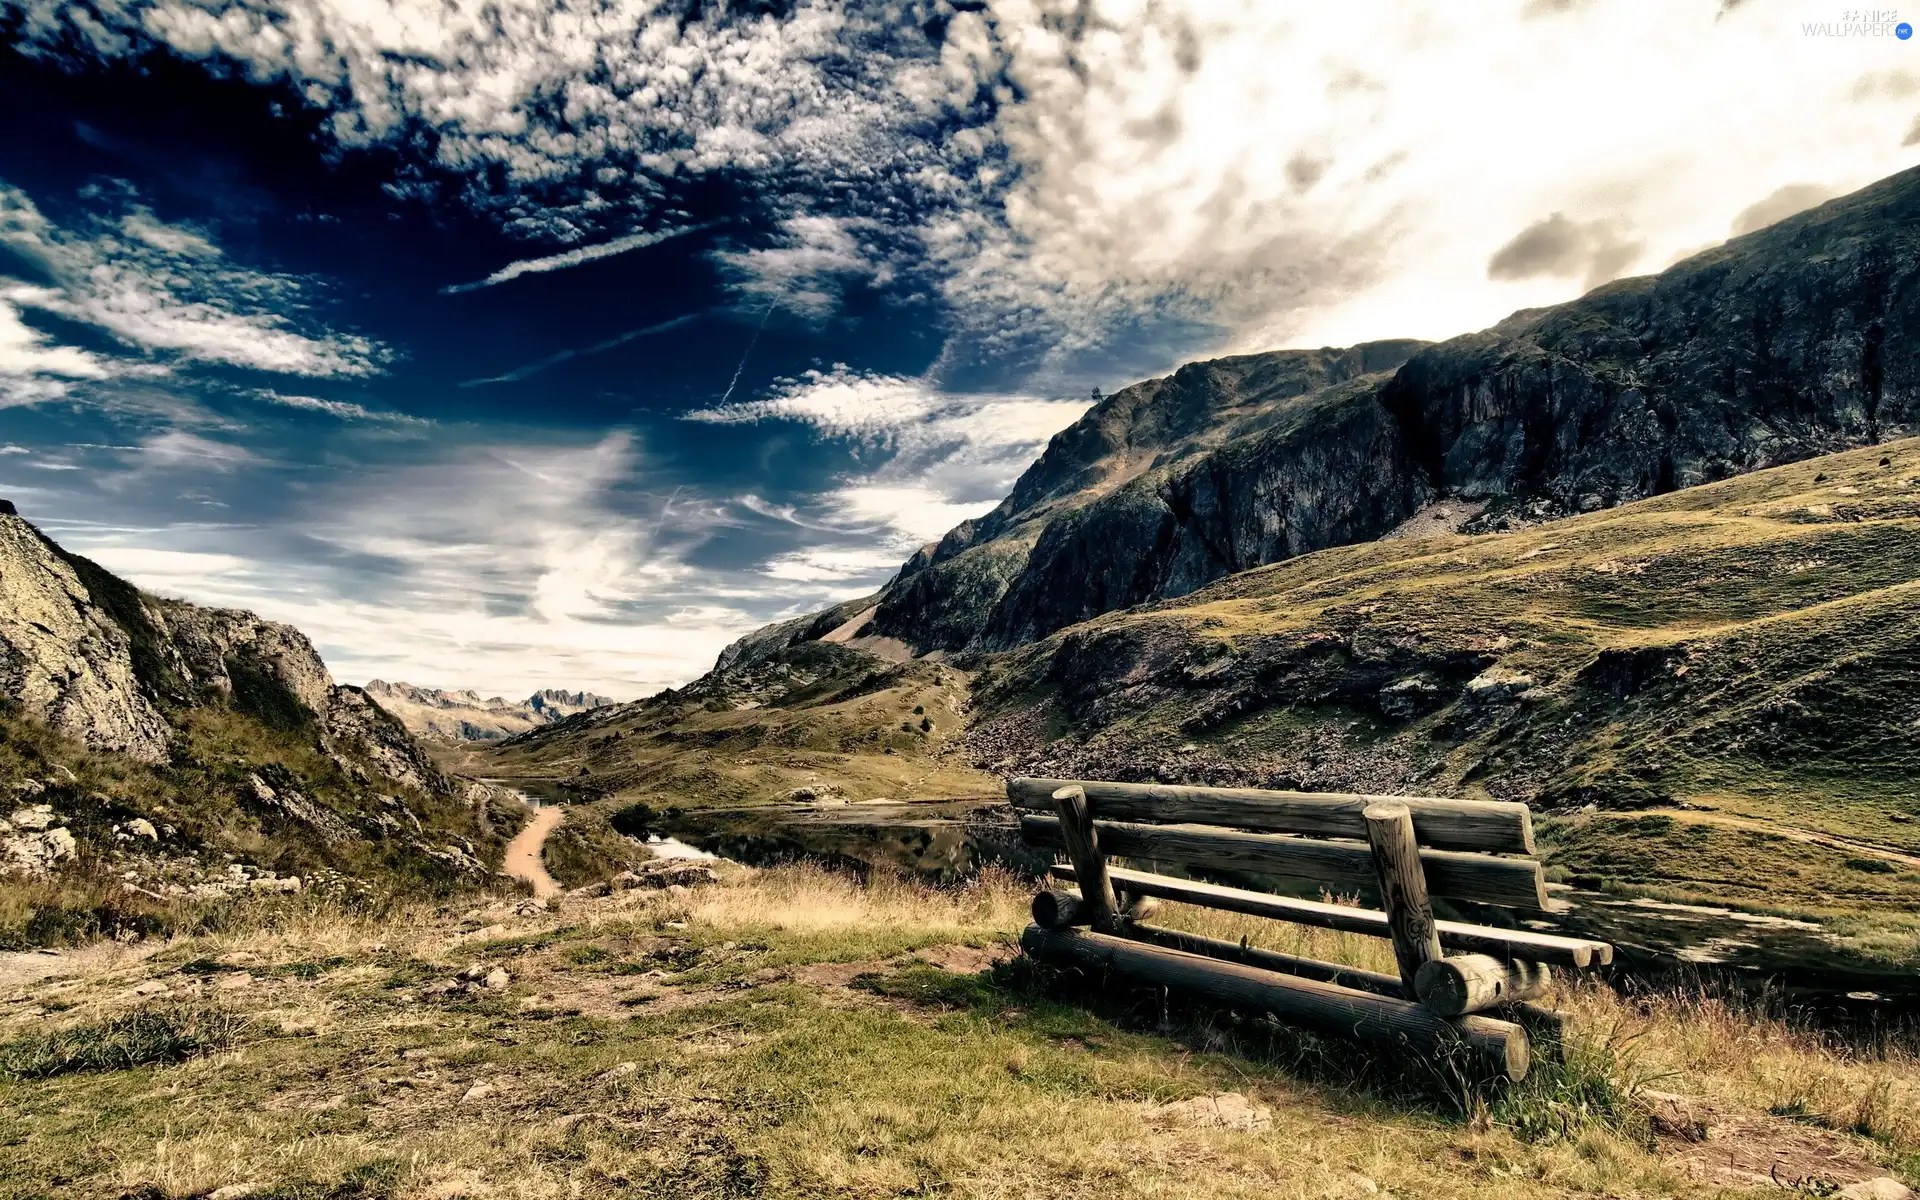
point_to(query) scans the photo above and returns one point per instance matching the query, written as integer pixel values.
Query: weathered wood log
(1577, 953)
(1501, 1046)
(1513, 882)
(1467, 983)
(1082, 842)
(1268, 960)
(1548, 1025)
(1057, 908)
(1403, 890)
(1494, 826)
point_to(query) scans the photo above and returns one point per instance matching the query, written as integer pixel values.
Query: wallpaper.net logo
(1861, 22)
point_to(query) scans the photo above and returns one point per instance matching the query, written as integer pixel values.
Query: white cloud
(165, 291)
(905, 513)
(948, 457)
(824, 564)
(505, 566)
(171, 572)
(808, 268)
(345, 410)
(1229, 173)
(176, 449)
(32, 368)
(841, 403)
(900, 411)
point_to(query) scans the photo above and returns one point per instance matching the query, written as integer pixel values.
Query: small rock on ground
(1883, 1188)
(1227, 1110)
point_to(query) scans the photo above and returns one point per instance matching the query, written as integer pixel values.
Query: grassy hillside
(1714, 691)
(818, 721)
(1711, 696)
(183, 844)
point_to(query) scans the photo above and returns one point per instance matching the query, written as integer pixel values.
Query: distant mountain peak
(463, 715)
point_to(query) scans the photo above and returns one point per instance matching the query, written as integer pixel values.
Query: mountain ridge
(462, 715)
(1781, 344)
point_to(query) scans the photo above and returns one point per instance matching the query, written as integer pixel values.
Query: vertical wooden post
(1403, 889)
(1089, 865)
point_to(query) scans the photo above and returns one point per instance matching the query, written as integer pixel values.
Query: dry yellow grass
(794, 1032)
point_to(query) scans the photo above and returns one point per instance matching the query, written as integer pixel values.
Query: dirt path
(523, 852)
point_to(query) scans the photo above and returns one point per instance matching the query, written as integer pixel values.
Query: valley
(1648, 562)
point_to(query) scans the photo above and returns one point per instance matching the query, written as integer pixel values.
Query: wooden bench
(1405, 849)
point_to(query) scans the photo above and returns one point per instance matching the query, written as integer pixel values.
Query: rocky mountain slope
(464, 716)
(1791, 341)
(1710, 693)
(154, 750)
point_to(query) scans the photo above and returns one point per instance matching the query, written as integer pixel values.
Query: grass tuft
(151, 1036)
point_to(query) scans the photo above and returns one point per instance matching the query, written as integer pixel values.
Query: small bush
(145, 1036)
(635, 820)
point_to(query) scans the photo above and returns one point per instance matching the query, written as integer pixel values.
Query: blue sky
(508, 346)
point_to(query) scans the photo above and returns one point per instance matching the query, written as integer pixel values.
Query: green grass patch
(150, 1036)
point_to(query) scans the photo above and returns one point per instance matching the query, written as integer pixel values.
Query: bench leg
(1097, 901)
(1403, 890)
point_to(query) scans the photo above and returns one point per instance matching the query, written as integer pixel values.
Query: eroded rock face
(1166, 486)
(101, 662)
(260, 666)
(1790, 342)
(63, 657)
(353, 721)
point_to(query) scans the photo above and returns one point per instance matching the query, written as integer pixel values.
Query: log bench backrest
(1488, 826)
(1469, 849)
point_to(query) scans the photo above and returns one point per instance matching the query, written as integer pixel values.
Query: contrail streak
(751, 342)
(573, 258)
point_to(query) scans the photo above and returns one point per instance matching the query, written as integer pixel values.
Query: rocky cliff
(64, 657)
(1789, 342)
(464, 716)
(152, 750)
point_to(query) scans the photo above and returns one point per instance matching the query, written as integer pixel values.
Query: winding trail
(523, 852)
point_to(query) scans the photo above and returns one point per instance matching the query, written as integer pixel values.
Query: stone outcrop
(260, 666)
(102, 662)
(1165, 486)
(63, 657)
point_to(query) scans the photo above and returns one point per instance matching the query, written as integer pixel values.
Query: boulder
(1497, 685)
